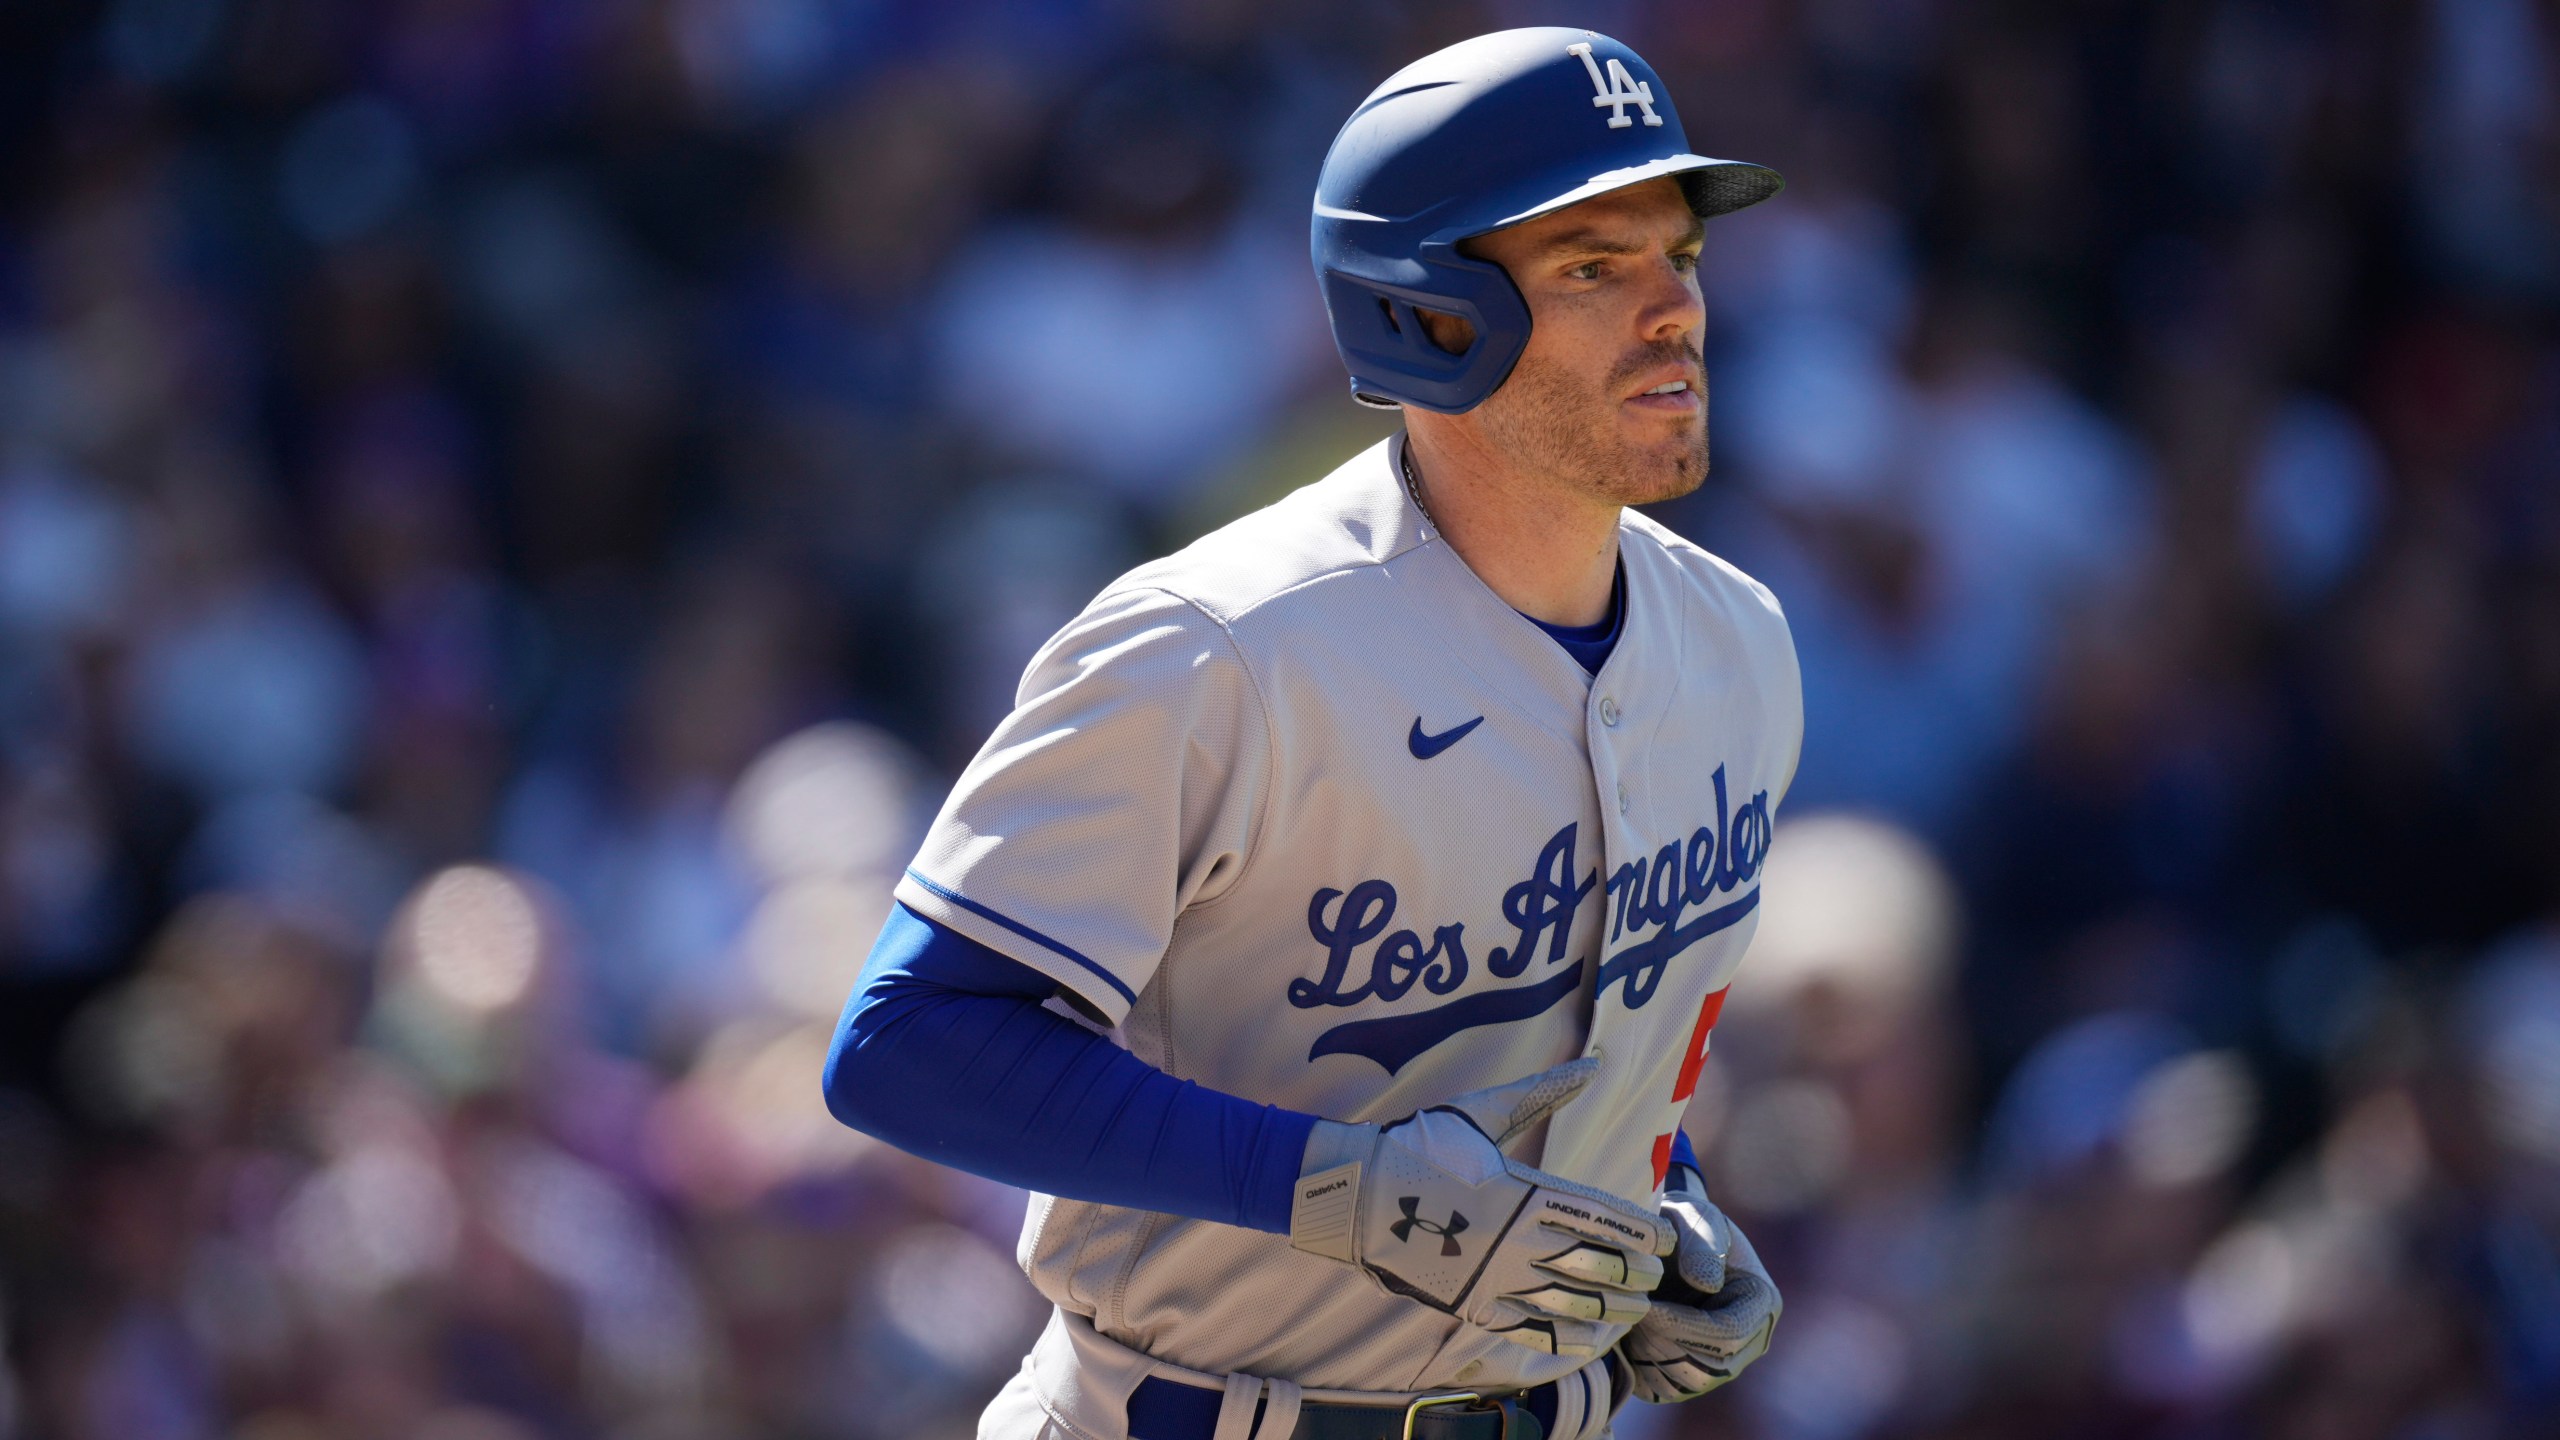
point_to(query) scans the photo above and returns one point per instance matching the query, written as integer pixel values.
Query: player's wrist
(1333, 1143)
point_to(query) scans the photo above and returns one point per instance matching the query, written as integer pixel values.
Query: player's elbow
(847, 1080)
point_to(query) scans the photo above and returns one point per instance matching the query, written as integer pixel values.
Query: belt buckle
(1414, 1411)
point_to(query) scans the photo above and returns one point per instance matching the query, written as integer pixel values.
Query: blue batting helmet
(1487, 133)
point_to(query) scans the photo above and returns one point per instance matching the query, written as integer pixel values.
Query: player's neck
(1551, 554)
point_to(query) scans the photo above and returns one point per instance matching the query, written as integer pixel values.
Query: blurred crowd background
(512, 510)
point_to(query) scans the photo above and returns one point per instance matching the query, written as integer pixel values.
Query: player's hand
(1433, 1210)
(1713, 1314)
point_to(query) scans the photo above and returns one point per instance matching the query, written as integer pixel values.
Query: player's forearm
(945, 1051)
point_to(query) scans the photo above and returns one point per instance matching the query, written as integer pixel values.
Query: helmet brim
(1715, 187)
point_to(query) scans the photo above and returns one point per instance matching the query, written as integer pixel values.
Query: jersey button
(1608, 710)
(1622, 797)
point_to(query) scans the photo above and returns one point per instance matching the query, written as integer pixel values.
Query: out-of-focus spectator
(1140, 330)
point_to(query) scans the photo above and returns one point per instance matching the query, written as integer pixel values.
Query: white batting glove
(1713, 1314)
(1433, 1210)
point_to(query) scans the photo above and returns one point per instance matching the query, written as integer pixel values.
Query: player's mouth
(1679, 392)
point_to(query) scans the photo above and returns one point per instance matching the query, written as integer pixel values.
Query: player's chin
(1665, 469)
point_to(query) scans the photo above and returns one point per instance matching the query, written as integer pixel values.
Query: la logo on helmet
(1617, 89)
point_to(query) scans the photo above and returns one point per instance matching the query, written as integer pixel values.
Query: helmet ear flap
(1485, 134)
(1391, 355)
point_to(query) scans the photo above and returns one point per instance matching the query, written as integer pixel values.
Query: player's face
(1611, 394)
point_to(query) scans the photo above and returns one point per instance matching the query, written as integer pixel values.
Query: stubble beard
(1549, 420)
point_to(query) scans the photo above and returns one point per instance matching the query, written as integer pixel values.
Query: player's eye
(1587, 270)
(1684, 261)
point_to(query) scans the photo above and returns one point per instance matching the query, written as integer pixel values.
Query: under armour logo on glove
(1558, 1266)
(1403, 1229)
(1618, 89)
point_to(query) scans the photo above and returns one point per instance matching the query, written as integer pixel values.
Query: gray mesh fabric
(1713, 1318)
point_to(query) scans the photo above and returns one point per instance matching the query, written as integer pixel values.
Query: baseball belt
(1167, 1409)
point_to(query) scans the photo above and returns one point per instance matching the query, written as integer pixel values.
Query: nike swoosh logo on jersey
(1425, 746)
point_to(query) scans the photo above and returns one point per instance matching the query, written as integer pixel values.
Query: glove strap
(1322, 1216)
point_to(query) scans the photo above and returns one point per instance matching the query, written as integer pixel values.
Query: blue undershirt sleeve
(946, 1050)
(1683, 1154)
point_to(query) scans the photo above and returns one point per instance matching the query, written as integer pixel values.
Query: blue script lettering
(1540, 908)
(1362, 917)
(1402, 960)
(1399, 961)
(1659, 904)
(1718, 858)
(1543, 904)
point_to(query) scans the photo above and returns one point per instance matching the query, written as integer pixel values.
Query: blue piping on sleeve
(1026, 932)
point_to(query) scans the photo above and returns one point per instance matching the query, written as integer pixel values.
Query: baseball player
(1331, 936)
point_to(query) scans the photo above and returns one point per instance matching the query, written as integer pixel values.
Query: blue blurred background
(511, 512)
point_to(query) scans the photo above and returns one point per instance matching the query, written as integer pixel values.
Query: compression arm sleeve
(945, 1050)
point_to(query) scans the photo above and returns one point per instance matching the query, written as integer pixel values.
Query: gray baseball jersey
(1315, 818)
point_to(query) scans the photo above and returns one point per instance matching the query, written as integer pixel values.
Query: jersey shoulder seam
(1227, 615)
(1270, 737)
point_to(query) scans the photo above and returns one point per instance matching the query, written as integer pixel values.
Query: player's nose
(1672, 305)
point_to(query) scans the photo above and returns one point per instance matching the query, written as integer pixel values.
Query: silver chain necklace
(1413, 483)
